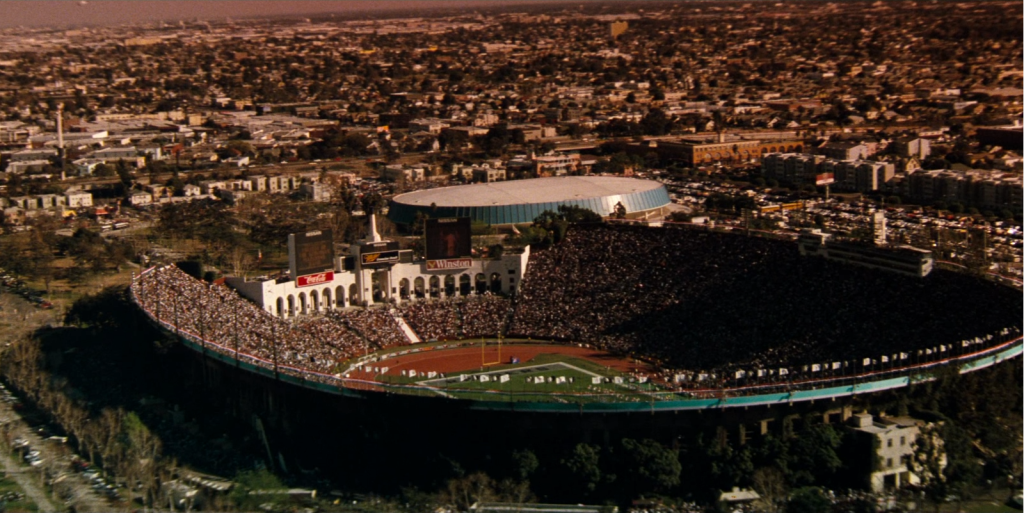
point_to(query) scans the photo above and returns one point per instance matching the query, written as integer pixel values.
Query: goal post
(483, 353)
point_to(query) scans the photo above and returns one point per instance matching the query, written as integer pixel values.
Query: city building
(916, 147)
(900, 259)
(78, 199)
(723, 149)
(895, 438)
(429, 125)
(315, 192)
(842, 150)
(980, 188)
(395, 172)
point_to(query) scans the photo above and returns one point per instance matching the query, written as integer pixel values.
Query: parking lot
(36, 455)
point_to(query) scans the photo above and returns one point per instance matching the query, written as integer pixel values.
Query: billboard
(449, 263)
(379, 259)
(824, 179)
(448, 238)
(314, 279)
(310, 252)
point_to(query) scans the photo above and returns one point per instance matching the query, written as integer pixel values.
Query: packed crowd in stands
(218, 314)
(432, 320)
(704, 306)
(720, 302)
(484, 316)
(458, 318)
(375, 324)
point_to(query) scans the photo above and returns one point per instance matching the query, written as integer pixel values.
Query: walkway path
(409, 333)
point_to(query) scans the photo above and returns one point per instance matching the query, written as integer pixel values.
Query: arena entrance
(380, 286)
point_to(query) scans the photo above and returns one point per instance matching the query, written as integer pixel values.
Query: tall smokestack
(60, 128)
(60, 139)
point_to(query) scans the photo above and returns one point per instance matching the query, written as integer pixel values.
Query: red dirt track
(463, 359)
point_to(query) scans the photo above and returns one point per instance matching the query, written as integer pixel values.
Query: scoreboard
(310, 253)
(449, 243)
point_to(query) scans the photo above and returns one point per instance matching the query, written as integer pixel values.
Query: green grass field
(578, 387)
(576, 381)
(522, 384)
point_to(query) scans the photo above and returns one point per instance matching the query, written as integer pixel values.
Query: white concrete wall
(355, 286)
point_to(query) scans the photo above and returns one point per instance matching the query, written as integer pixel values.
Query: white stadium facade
(354, 280)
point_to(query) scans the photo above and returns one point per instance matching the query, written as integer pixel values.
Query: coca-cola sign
(314, 279)
(450, 263)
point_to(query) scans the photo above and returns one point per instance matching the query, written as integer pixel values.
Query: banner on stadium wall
(314, 279)
(379, 258)
(450, 263)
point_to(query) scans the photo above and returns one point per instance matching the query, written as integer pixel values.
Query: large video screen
(313, 252)
(449, 238)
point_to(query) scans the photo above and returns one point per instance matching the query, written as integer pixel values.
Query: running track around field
(468, 359)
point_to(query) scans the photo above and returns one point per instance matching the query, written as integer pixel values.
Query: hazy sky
(62, 13)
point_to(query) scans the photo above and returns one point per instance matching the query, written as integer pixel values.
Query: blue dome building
(521, 201)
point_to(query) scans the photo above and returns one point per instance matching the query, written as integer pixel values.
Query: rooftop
(536, 190)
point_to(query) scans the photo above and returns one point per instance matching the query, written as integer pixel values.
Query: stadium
(616, 319)
(521, 201)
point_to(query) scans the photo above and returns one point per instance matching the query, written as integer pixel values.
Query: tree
(582, 465)
(464, 492)
(813, 458)
(557, 224)
(29, 253)
(103, 170)
(620, 211)
(649, 466)
(108, 309)
(808, 500)
(372, 203)
(515, 492)
(452, 140)
(122, 170)
(575, 214)
(497, 140)
(656, 122)
(495, 251)
(251, 480)
(770, 484)
(524, 463)
(962, 470)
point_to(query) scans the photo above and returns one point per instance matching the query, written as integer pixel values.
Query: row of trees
(233, 238)
(114, 439)
(34, 253)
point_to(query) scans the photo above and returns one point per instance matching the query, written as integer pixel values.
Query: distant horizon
(66, 14)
